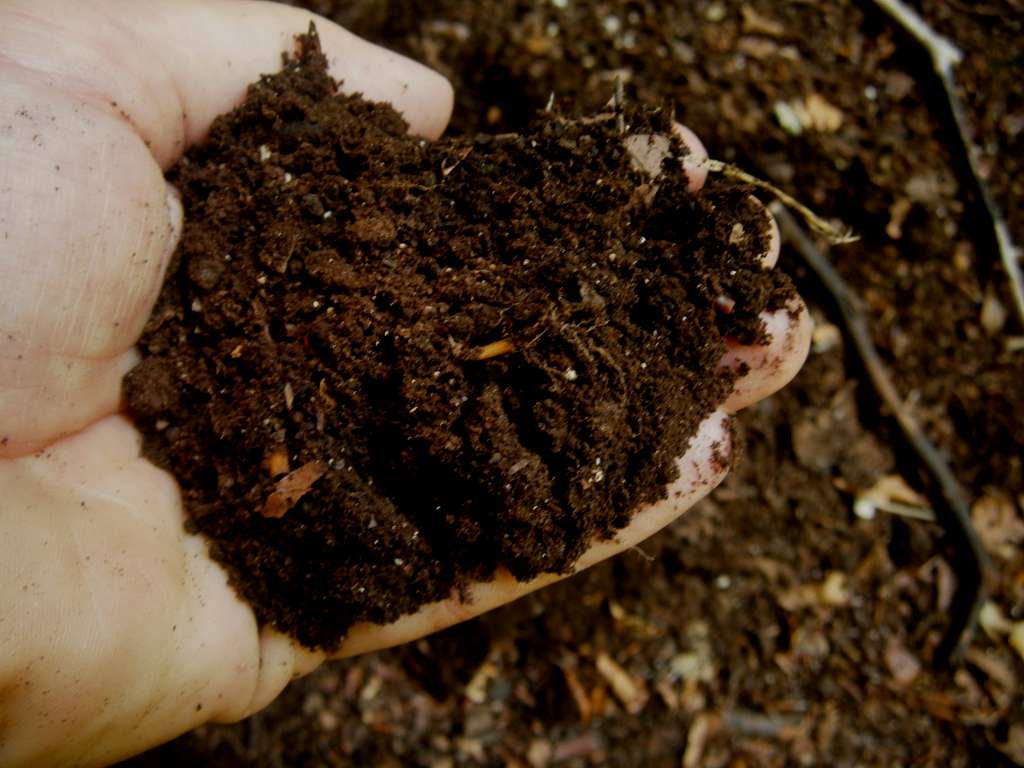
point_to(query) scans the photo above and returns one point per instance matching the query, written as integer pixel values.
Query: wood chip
(1017, 638)
(902, 664)
(992, 620)
(631, 692)
(996, 520)
(587, 743)
(579, 694)
(495, 348)
(476, 689)
(833, 592)
(277, 463)
(293, 487)
(697, 738)
(757, 24)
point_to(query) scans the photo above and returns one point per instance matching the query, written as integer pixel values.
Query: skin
(117, 631)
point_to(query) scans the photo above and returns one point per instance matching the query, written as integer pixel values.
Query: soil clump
(382, 367)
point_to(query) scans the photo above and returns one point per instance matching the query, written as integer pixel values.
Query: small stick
(954, 516)
(619, 100)
(945, 56)
(495, 348)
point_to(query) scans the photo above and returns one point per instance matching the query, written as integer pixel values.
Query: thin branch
(945, 56)
(954, 515)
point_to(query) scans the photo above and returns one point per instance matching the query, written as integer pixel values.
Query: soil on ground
(769, 626)
(381, 368)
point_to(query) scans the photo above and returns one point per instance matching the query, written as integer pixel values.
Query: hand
(117, 631)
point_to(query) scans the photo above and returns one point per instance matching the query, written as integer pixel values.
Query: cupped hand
(117, 631)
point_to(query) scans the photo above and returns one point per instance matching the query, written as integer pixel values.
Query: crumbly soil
(381, 368)
(736, 654)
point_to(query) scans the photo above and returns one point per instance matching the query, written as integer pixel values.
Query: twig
(954, 514)
(945, 56)
(814, 221)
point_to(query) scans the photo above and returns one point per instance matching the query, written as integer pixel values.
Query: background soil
(770, 625)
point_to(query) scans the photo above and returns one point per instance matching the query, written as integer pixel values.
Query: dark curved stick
(971, 560)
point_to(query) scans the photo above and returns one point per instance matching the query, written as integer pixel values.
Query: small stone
(993, 313)
(715, 13)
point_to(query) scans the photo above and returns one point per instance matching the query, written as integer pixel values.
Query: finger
(694, 161)
(701, 468)
(118, 631)
(171, 68)
(648, 151)
(771, 366)
(89, 228)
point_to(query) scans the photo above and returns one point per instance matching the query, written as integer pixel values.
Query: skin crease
(117, 632)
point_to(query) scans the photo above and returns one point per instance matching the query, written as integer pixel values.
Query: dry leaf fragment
(760, 25)
(993, 313)
(898, 213)
(579, 694)
(697, 738)
(999, 526)
(587, 743)
(293, 487)
(811, 113)
(892, 494)
(631, 692)
(450, 164)
(1017, 638)
(277, 463)
(819, 115)
(902, 664)
(476, 689)
(992, 620)
(833, 592)
(539, 753)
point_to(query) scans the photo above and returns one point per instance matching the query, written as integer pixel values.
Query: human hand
(117, 630)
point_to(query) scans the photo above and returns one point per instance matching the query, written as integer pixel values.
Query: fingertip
(282, 660)
(424, 97)
(771, 366)
(175, 221)
(694, 161)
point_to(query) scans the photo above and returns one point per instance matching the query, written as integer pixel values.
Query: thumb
(102, 96)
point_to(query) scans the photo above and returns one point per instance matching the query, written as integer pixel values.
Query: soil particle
(326, 310)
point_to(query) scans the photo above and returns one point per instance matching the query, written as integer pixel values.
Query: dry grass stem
(835, 236)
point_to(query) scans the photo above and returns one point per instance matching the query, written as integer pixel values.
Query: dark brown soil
(320, 370)
(741, 664)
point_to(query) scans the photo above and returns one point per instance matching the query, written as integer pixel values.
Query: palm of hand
(117, 615)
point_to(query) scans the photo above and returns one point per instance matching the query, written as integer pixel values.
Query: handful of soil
(381, 368)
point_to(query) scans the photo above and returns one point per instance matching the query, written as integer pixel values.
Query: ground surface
(770, 626)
